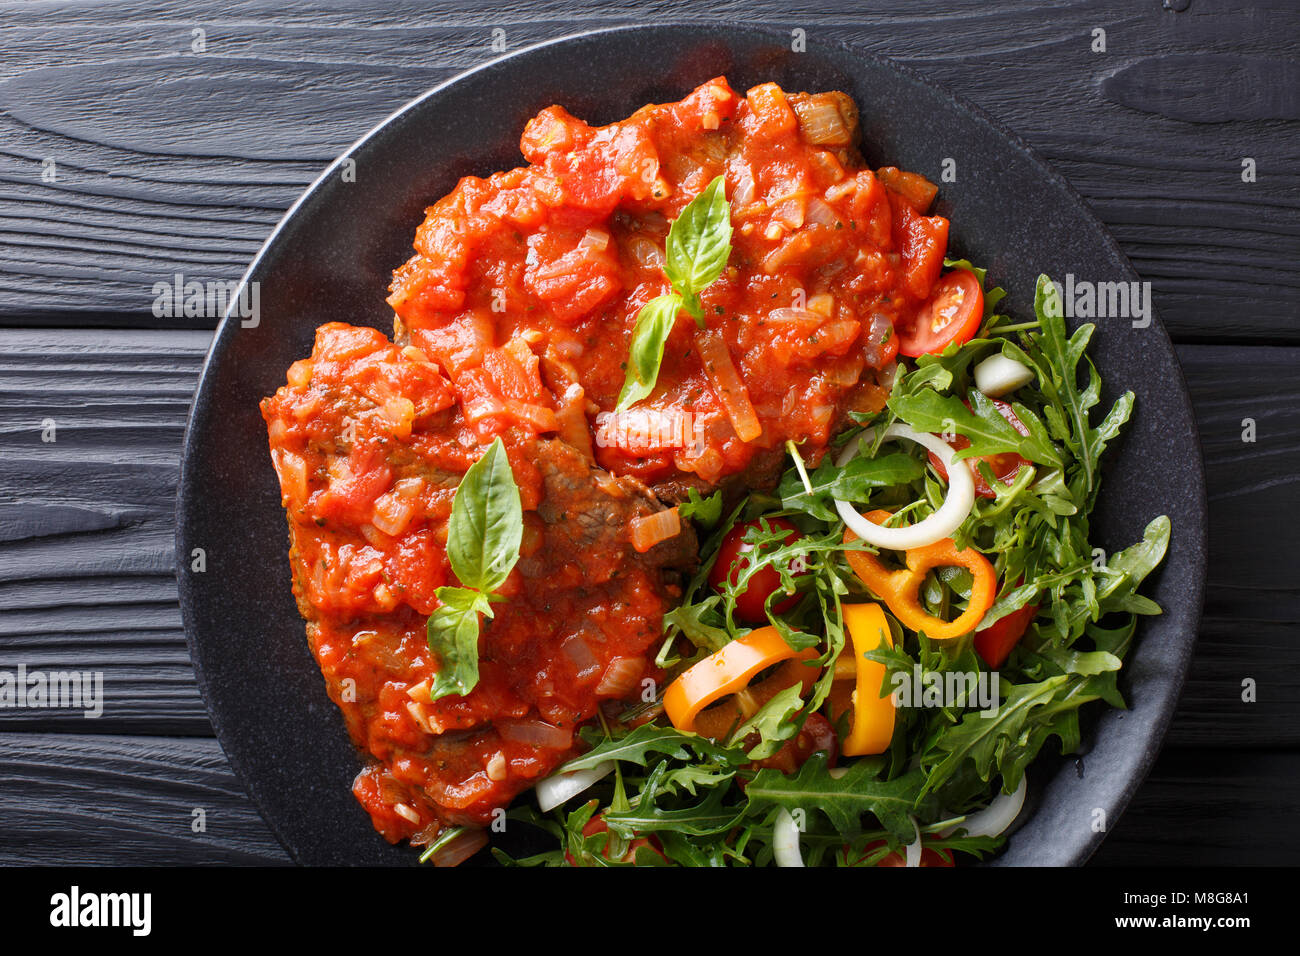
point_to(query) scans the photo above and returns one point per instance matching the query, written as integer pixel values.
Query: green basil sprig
(696, 252)
(483, 538)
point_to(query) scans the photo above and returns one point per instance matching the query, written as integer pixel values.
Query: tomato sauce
(513, 321)
(827, 257)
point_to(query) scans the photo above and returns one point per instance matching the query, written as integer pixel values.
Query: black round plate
(330, 259)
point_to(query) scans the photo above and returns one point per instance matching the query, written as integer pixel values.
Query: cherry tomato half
(951, 314)
(749, 603)
(1004, 466)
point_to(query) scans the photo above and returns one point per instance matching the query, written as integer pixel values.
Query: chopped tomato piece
(922, 242)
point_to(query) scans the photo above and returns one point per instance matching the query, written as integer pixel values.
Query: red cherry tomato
(951, 314)
(749, 603)
(995, 643)
(928, 857)
(1004, 466)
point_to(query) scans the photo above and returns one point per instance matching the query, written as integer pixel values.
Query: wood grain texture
(1198, 809)
(86, 524)
(71, 799)
(165, 162)
(86, 531)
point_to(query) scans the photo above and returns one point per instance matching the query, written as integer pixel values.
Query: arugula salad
(870, 656)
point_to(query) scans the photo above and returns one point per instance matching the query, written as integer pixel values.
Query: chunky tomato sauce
(827, 256)
(513, 321)
(370, 445)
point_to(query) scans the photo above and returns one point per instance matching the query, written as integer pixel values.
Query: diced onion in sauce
(651, 529)
(537, 733)
(460, 847)
(728, 384)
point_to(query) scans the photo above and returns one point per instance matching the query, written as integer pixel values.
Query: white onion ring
(560, 787)
(998, 815)
(785, 840)
(912, 852)
(955, 509)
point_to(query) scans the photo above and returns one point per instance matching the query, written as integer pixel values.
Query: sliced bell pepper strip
(901, 589)
(872, 726)
(729, 671)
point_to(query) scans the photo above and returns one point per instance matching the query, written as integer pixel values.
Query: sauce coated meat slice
(370, 442)
(827, 256)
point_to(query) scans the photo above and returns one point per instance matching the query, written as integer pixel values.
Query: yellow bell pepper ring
(900, 589)
(729, 671)
(872, 721)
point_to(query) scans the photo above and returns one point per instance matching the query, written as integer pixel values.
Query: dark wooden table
(139, 140)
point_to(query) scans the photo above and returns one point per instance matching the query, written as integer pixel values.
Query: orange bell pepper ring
(901, 589)
(872, 726)
(728, 671)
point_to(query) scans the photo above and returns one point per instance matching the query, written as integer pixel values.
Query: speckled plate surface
(330, 259)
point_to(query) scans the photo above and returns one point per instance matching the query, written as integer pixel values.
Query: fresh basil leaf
(486, 524)
(654, 323)
(453, 631)
(699, 241)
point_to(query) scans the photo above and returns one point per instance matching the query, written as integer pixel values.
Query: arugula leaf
(853, 482)
(1129, 568)
(989, 433)
(487, 522)
(641, 743)
(1009, 740)
(711, 816)
(699, 242)
(772, 722)
(706, 512)
(1057, 357)
(453, 634)
(690, 620)
(845, 799)
(654, 323)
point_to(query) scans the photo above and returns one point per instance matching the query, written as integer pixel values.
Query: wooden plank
(86, 531)
(86, 521)
(182, 173)
(1217, 809)
(75, 799)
